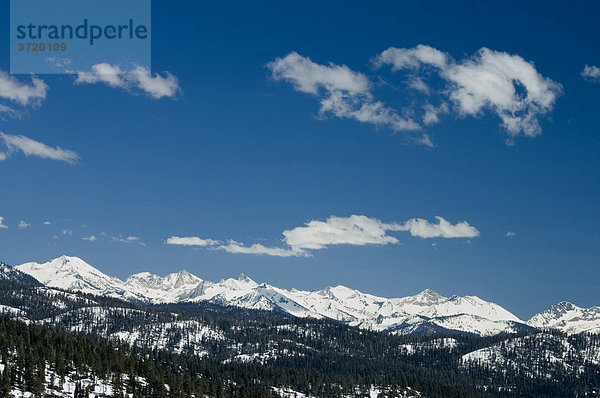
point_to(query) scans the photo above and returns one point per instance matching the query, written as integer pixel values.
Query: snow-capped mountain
(425, 312)
(72, 273)
(145, 286)
(568, 318)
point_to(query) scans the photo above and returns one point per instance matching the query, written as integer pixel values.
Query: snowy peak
(147, 287)
(243, 278)
(182, 278)
(427, 297)
(562, 308)
(568, 318)
(72, 273)
(144, 278)
(338, 292)
(171, 281)
(242, 282)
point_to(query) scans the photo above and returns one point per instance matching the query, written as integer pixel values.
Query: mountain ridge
(8, 273)
(427, 310)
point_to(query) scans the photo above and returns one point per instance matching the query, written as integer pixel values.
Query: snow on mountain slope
(277, 299)
(569, 318)
(478, 325)
(469, 305)
(405, 315)
(156, 332)
(8, 273)
(426, 312)
(525, 354)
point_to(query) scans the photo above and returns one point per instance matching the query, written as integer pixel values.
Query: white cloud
(591, 73)
(67, 232)
(342, 92)
(511, 234)
(47, 223)
(443, 229)
(138, 80)
(2, 225)
(91, 238)
(155, 85)
(31, 147)
(502, 83)
(24, 224)
(411, 58)
(23, 94)
(354, 230)
(103, 73)
(491, 80)
(309, 77)
(190, 241)
(362, 230)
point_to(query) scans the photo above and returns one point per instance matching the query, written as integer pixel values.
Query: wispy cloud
(47, 223)
(30, 147)
(139, 80)
(22, 93)
(128, 239)
(239, 248)
(354, 230)
(191, 241)
(342, 92)
(24, 224)
(591, 73)
(2, 225)
(91, 238)
(511, 234)
(67, 232)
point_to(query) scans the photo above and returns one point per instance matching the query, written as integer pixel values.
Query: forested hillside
(111, 346)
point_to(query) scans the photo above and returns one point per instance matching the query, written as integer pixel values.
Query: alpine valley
(69, 330)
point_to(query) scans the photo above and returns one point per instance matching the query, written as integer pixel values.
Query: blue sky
(231, 141)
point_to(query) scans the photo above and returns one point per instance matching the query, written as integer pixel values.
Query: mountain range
(424, 313)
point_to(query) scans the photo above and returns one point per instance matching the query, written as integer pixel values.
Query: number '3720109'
(23, 46)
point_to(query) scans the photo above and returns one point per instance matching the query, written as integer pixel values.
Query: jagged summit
(429, 295)
(563, 307)
(244, 278)
(569, 318)
(429, 292)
